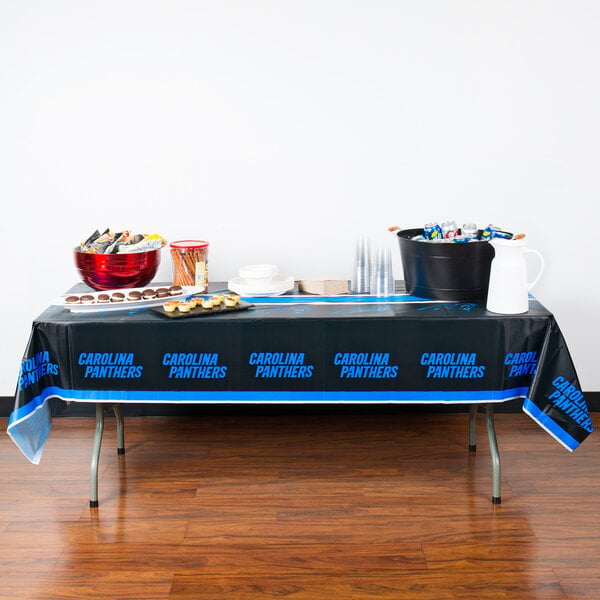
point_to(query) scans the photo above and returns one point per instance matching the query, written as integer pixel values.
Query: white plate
(246, 287)
(126, 304)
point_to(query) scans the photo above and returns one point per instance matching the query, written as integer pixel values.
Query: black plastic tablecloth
(302, 349)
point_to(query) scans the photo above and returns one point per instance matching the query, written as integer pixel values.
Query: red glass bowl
(115, 271)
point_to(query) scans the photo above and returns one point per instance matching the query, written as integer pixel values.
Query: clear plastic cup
(382, 282)
(361, 276)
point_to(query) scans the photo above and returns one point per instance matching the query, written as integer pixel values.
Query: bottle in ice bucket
(432, 231)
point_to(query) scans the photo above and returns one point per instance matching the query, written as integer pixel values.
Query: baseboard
(79, 409)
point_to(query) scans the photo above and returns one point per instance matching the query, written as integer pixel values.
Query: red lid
(189, 244)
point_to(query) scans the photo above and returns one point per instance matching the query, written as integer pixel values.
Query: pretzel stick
(180, 274)
(176, 267)
(190, 263)
(190, 268)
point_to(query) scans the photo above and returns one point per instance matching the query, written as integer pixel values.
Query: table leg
(496, 498)
(120, 429)
(472, 427)
(98, 444)
(96, 455)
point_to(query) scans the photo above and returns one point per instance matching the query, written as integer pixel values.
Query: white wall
(280, 131)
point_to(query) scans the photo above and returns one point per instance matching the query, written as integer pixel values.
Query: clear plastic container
(190, 263)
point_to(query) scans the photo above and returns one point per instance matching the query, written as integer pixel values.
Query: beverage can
(469, 230)
(489, 232)
(449, 230)
(432, 231)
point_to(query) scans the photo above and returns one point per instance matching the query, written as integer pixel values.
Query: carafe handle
(530, 284)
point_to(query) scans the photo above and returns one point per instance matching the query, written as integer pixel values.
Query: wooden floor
(302, 507)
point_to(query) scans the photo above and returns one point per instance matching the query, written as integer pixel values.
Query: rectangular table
(301, 349)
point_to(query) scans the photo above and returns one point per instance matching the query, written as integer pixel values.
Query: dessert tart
(184, 307)
(171, 306)
(231, 300)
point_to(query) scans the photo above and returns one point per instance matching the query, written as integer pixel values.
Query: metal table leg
(100, 409)
(96, 455)
(472, 428)
(496, 472)
(120, 429)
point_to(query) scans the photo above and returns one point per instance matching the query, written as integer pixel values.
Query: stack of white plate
(260, 280)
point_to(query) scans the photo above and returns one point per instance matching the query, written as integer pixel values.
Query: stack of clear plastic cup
(382, 282)
(361, 276)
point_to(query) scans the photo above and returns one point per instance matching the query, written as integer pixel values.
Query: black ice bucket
(451, 271)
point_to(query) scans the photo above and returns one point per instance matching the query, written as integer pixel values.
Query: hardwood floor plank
(245, 559)
(473, 585)
(120, 585)
(20, 534)
(18, 560)
(335, 525)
